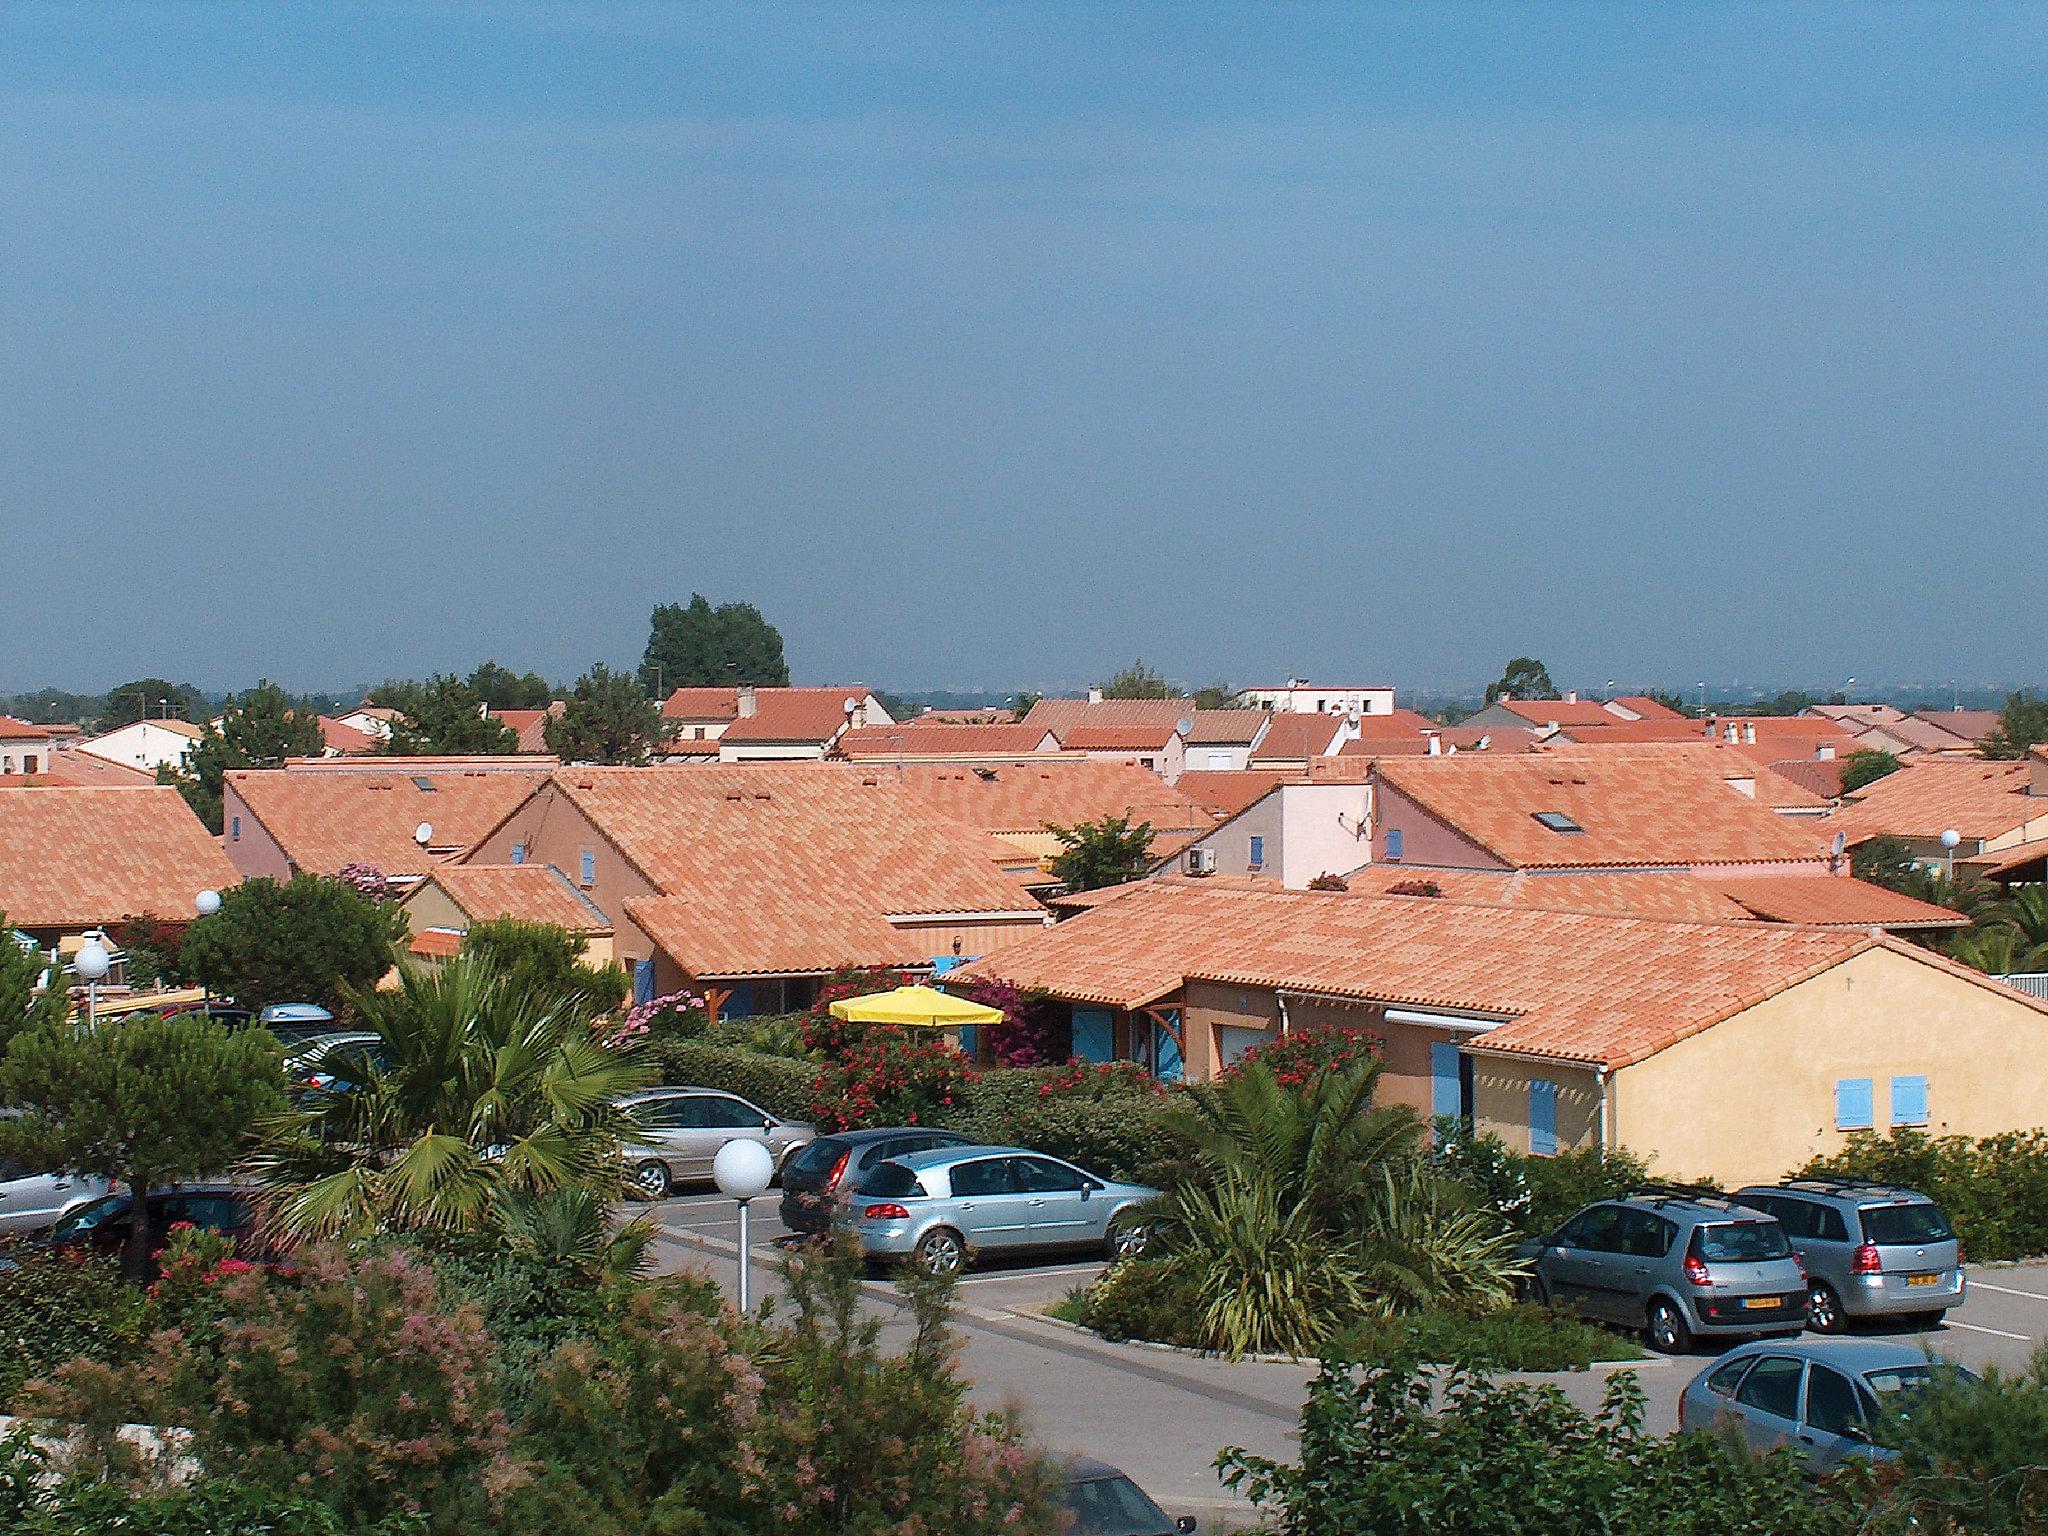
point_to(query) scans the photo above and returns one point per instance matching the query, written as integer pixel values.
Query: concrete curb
(1033, 1315)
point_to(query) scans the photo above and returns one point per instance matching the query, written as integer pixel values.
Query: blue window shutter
(1094, 1034)
(235, 831)
(519, 853)
(643, 981)
(1393, 845)
(1444, 1095)
(589, 867)
(1542, 1117)
(1258, 850)
(1909, 1101)
(1853, 1108)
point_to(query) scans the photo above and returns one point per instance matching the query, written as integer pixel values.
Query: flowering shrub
(891, 1076)
(1032, 1034)
(830, 1038)
(1299, 1056)
(366, 880)
(678, 1014)
(1100, 1080)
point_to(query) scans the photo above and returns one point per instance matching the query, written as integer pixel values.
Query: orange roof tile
(325, 819)
(1228, 791)
(1294, 737)
(1649, 708)
(1838, 902)
(1656, 808)
(1542, 712)
(2007, 860)
(339, 736)
(780, 870)
(1138, 737)
(1820, 777)
(81, 770)
(532, 893)
(921, 738)
(780, 714)
(1981, 800)
(12, 729)
(435, 943)
(530, 725)
(1225, 727)
(1676, 895)
(72, 858)
(1574, 986)
(1024, 797)
(1061, 715)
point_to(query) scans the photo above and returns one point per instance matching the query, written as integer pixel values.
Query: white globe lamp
(743, 1170)
(92, 962)
(1949, 839)
(206, 903)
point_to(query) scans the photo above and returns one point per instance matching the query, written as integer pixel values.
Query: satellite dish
(423, 834)
(848, 706)
(1351, 715)
(1185, 725)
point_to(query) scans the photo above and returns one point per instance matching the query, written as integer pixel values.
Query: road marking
(2005, 1290)
(1996, 1333)
(1031, 1274)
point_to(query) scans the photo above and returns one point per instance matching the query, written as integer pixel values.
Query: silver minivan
(1870, 1250)
(30, 1202)
(681, 1130)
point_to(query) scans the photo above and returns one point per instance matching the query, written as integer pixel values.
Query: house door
(1450, 1083)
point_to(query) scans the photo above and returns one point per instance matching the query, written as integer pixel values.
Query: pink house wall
(1424, 838)
(250, 848)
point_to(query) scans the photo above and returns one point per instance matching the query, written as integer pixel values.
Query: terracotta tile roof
(2007, 860)
(435, 944)
(533, 893)
(1854, 714)
(323, 820)
(1677, 895)
(1501, 738)
(1227, 791)
(776, 870)
(1295, 737)
(338, 736)
(1118, 738)
(1225, 727)
(1820, 777)
(1912, 733)
(1574, 986)
(529, 724)
(1061, 715)
(1656, 807)
(1541, 712)
(937, 738)
(1006, 799)
(1399, 721)
(780, 715)
(12, 729)
(1647, 707)
(1837, 902)
(1981, 800)
(81, 770)
(1973, 725)
(1733, 764)
(71, 858)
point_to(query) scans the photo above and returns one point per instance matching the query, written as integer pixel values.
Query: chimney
(748, 703)
(1749, 732)
(1572, 697)
(1094, 695)
(1436, 745)
(1731, 730)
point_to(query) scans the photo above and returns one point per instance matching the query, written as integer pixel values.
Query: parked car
(337, 1060)
(1104, 1502)
(103, 1225)
(942, 1208)
(295, 1022)
(834, 1165)
(1871, 1250)
(681, 1130)
(1675, 1266)
(31, 1201)
(1817, 1396)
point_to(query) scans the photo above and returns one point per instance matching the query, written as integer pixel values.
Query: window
(1773, 1387)
(424, 785)
(989, 1176)
(1852, 1104)
(665, 1114)
(519, 853)
(1597, 1231)
(892, 1181)
(28, 764)
(1915, 1221)
(1542, 1118)
(1646, 1236)
(1909, 1101)
(1557, 821)
(589, 867)
(235, 829)
(1828, 1225)
(1258, 852)
(1043, 1176)
(1740, 1242)
(723, 1114)
(1831, 1405)
(1723, 1377)
(1393, 845)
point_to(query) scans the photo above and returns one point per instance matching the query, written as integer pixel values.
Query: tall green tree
(259, 728)
(502, 688)
(146, 1102)
(150, 698)
(1216, 696)
(312, 939)
(606, 719)
(22, 1007)
(1094, 854)
(1526, 678)
(541, 958)
(2022, 723)
(700, 646)
(1866, 765)
(442, 717)
(1138, 681)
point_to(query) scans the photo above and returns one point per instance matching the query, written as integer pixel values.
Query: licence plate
(1923, 1279)
(1760, 1303)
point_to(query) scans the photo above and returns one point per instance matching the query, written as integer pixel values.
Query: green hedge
(779, 1084)
(55, 1308)
(1994, 1189)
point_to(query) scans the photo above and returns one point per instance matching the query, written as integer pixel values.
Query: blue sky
(991, 345)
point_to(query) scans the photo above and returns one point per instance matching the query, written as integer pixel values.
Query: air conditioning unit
(1201, 861)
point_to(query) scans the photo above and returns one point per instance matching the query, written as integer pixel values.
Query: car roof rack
(1828, 1184)
(1694, 1194)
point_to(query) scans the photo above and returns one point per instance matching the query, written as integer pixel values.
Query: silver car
(941, 1208)
(1818, 1397)
(31, 1201)
(681, 1130)
(1871, 1250)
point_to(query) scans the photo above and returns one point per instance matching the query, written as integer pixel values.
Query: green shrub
(1140, 1298)
(1995, 1190)
(1119, 1139)
(772, 1034)
(58, 1306)
(1517, 1338)
(778, 1084)
(1970, 1456)
(1533, 1195)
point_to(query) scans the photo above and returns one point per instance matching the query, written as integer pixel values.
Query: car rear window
(1740, 1242)
(1918, 1221)
(817, 1156)
(892, 1180)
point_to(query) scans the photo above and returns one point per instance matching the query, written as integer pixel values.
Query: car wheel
(1824, 1308)
(1537, 1291)
(1667, 1330)
(651, 1180)
(940, 1252)
(1128, 1239)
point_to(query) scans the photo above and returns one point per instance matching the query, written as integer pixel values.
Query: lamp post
(206, 903)
(1949, 839)
(92, 962)
(743, 1169)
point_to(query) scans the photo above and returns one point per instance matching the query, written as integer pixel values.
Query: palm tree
(475, 1093)
(1996, 949)
(2025, 911)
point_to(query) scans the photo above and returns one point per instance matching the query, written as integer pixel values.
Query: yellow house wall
(1754, 1097)
(1500, 1100)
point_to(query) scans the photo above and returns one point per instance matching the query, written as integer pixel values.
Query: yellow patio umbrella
(920, 1006)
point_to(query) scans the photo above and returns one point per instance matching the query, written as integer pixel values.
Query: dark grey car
(832, 1167)
(1871, 1250)
(1674, 1266)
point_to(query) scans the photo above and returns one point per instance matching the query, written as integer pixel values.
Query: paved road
(1162, 1416)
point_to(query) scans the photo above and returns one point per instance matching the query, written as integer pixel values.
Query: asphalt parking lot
(1163, 1415)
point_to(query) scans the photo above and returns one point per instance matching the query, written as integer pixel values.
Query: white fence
(2033, 983)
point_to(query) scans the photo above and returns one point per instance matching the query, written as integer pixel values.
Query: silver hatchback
(681, 1130)
(31, 1201)
(939, 1209)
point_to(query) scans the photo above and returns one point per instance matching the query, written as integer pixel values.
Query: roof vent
(986, 775)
